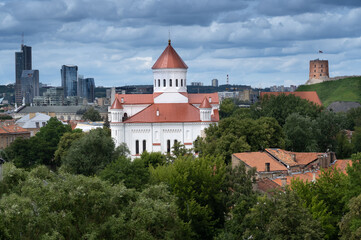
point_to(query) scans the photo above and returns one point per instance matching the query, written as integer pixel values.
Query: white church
(154, 122)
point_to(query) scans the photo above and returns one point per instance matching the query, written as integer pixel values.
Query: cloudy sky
(258, 43)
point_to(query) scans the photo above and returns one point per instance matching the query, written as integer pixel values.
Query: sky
(256, 42)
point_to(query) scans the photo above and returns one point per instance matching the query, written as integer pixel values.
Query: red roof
(135, 98)
(309, 95)
(168, 112)
(12, 128)
(259, 160)
(197, 98)
(169, 59)
(116, 104)
(293, 158)
(205, 104)
(267, 185)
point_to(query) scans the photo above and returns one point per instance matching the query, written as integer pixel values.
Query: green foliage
(197, 184)
(354, 176)
(281, 106)
(91, 115)
(64, 144)
(45, 205)
(90, 154)
(121, 151)
(227, 108)
(233, 135)
(354, 118)
(356, 140)
(39, 149)
(347, 89)
(300, 133)
(344, 146)
(153, 158)
(5, 117)
(133, 174)
(350, 226)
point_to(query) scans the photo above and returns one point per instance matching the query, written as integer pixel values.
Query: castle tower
(319, 69)
(169, 72)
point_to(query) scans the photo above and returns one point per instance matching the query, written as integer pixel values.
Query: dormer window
(210, 99)
(122, 100)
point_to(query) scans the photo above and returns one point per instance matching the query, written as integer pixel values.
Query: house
(33, 122)
(154, 122)
(9, 132)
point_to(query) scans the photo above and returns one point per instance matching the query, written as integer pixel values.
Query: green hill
(347, 89)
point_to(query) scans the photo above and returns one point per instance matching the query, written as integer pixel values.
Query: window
(170, 82)
(320, 74)
(37, 124)
(125, 116)
(321, 70)
(158, 82)
(144, 145)
(315, 65)
(137, 147)
(168, 146)
(175, 142)
(314, 75)
(176, 82)
(43, 123)
(314, 70)
(181, 82)
(155, 83)
(321, 65)
(164, 82)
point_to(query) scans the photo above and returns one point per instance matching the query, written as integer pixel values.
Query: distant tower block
(319, 69)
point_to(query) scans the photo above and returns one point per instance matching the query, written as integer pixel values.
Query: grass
(347, 89)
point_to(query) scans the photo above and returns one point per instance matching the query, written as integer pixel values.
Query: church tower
(170, 72)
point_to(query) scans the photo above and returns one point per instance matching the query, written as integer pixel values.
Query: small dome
(169, 59)
(116, 104)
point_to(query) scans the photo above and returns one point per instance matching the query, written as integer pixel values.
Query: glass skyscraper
(86, 88)
(69, 77)
(23, 61)
(29, 85)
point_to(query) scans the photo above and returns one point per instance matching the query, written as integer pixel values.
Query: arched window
(175, 141)
(137, 147)
(176, 82)
(158, 82)
(181, 82)
(168, 146)
(144, 145)
(164, 82)
(125, 116)
(170, 82)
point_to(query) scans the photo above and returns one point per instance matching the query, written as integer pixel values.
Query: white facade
(154, 122)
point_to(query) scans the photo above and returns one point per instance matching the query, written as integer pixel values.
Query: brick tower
(319, 69)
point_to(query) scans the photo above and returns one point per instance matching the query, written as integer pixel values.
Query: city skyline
(258, 43)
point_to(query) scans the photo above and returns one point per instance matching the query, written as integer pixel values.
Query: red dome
(169, 59)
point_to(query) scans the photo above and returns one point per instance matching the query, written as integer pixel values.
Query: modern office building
(215, 82)
(52, 97)
(29, 85)
(86, 88)
(69, 79)
(23, 61)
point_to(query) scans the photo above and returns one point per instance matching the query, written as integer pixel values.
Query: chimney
(284, 181)
(122, 100)
(267, 167)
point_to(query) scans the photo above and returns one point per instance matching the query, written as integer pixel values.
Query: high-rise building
(69, 79)
(86, 88)
(22, 62)
(215, 82)
(29, 85)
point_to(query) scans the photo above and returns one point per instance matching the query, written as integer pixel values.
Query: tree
(281, 106)
(300, 133)
(39, 149)
(90, 154)
(133, 174)
(343, 146)
(91, 115)
(354, 177)
(64, 144)
(153, 158)
(356, 140)
(197, 184)
(233, 135)
(350, 226)
(227, 108)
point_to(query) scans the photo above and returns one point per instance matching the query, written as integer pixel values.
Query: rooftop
(259, 160)
(169, 59)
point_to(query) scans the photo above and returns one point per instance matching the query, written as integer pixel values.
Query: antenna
(169, 35)
(227, 79)
(22, 39)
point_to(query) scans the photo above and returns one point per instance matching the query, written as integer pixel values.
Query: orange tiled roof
(169, 59)
(197, 98)
(309, 95)
(305, 158)
(307, 176)
(135, 98)
(168, 112)
(205, 104)
(267, 185)
(116, 104)
(282, 155)
(342, 164)
(215, 116)
(12, 129)
(259, 160)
